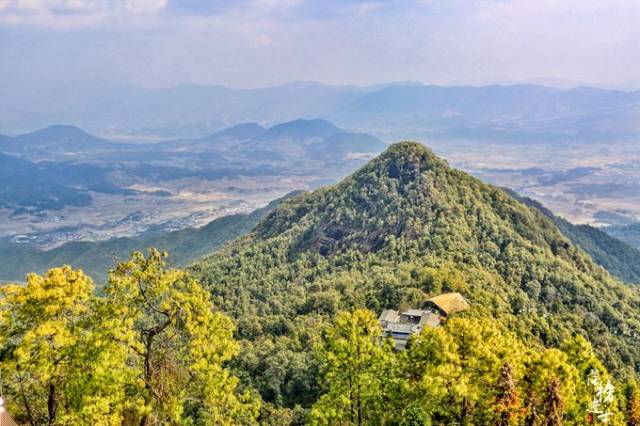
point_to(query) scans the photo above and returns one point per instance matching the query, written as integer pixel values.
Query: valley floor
(584, 183)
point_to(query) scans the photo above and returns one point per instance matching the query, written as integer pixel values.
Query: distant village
(400, 325)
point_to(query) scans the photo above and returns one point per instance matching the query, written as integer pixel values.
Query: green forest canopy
(550, 335)
(405, 227)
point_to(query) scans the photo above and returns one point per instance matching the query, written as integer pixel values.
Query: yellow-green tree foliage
(59, 364)
(357, 372)
(177, 343)
(150, 351)
(595, 393)
(457, 373)
(453, 370)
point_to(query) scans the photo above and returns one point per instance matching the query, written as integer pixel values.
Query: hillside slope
(612, 253)
(405, 227)
(29, 185)
(630, 234)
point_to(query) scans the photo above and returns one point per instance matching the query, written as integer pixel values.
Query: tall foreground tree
(59, 363)
(178, 343)
(356, 362)
(553, 403)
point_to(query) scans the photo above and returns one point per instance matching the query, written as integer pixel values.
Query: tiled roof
(413, 312)
(400, 328)
(388, 315)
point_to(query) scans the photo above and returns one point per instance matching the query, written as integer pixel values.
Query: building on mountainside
(448, 303)
(401, 325)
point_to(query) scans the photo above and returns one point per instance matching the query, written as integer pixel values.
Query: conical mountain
(62, 137)
(405, 227)
(409, 193)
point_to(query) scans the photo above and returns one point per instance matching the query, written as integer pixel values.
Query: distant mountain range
(60, 165)
(181, 111)
(514, 113)
(518, 113)
(297, 137)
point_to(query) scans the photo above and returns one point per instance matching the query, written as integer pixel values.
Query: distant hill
(243, 145)
(510, 113)
(300, 128)
(242, 131)
(630, 234)
(286, 144)
(312, 140)
(28, 185)
(513, 113)
(58, 139)
(96, 258)
(71, 162)
(612, 253)
(401, 229)
(52, 185)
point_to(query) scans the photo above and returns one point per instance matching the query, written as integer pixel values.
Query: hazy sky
(249, 43)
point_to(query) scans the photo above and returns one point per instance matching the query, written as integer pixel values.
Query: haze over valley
(64, 184)
(149, 168)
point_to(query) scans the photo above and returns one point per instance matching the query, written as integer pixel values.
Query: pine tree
(177, 344)
(533, 416)
(59, 356)
(553, 404)
(356, 365)
(507, 405)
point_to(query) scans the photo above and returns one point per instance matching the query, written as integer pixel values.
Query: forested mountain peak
(408, 193)
(403, 228)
